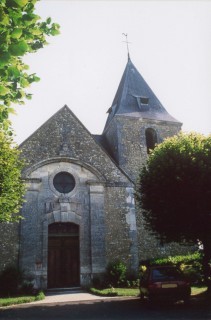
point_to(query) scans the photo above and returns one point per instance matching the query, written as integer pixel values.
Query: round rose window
(64, 182)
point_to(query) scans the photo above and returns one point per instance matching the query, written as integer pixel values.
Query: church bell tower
(136, 122)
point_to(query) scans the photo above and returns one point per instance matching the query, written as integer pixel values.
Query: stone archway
(63, 255)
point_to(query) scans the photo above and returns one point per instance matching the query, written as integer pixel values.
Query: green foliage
(12, 188)
(131, 280)
(198, 290)
(22, 299)
(10, 279)
(174, 188)
(13, 281)
(178, 260)
(174, 192)
(116, 273)
(112, 292)
(21, 32)
(133, 283)
(40, 296)
(193, 272)
(26, 288)
(107, 292)
(190, 265)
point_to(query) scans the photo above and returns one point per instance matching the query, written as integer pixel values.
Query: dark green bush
(190, 264)
(10, 279)
(132, 281)
(26, 288)
(14, 282)
(193, 272)
(178, 260)
(116, 274)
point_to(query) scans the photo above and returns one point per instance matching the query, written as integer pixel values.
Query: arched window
(151, 139)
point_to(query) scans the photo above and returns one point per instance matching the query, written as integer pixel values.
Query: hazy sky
(82, 67)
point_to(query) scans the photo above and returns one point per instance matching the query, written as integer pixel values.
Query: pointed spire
(134, 98)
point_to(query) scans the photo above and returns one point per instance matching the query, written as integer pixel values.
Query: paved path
(72, 296)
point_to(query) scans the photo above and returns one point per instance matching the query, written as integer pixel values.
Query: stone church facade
(80, 213)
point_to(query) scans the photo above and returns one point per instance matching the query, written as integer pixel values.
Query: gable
(64, 136)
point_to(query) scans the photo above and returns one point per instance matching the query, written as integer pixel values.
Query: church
(80, 212)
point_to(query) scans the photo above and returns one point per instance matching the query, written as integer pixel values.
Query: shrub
(178, 260)
(10, 279)
(193, 272)
(116, 274)
(14, 282)
(132, 281)
(191, 265)
(27, 288)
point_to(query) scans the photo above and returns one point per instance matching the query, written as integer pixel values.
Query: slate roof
(135, 98)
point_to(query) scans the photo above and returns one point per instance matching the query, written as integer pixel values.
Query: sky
(170, 45)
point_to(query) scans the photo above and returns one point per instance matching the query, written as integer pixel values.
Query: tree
(12, 188)
(21, 32)
(174, 192)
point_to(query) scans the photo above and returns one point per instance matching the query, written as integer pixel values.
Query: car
(164, 283)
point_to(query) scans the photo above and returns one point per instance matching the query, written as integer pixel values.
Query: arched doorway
(63, 255)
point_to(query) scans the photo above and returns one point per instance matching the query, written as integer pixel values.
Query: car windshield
(163, 274)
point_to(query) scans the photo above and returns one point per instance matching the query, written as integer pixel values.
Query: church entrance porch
(63, 255)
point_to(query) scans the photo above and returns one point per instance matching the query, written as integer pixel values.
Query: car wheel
(186, 300)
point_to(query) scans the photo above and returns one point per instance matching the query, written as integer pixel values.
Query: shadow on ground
(109, 310)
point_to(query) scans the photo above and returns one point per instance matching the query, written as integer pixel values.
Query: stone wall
(120, 224)
(45, 205)
(102, 202)
(98, 204)
(103, 210)
(126, 136)
(64, 136)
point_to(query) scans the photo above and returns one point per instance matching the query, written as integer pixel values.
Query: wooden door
(63, 261)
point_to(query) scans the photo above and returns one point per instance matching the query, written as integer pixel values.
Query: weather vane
(127, 42)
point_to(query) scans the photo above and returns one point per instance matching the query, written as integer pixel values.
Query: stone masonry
(99, 173)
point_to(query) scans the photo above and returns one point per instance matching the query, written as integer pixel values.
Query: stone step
(57, 291)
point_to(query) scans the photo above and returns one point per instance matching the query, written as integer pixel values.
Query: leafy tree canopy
(21, 32)
(174, 188)
(12, 188)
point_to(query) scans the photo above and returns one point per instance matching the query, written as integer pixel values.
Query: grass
(124, 292)
(198, 290)
(18, 300)
(112, 292)
(109, 292)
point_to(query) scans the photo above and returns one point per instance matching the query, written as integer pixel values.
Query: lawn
(112, 292)
(109, 292)
(23, 299)
(198, 290)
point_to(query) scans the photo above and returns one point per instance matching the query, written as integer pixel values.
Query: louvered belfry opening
(151, 139)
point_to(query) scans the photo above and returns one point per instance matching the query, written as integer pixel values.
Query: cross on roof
(127, 42)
